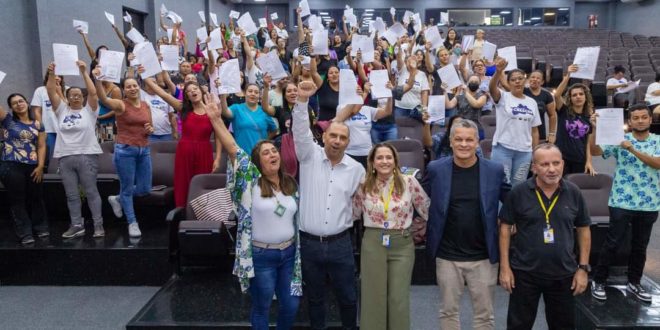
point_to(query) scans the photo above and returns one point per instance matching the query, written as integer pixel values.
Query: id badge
(548, 235)
(386, 240)
(279, 210)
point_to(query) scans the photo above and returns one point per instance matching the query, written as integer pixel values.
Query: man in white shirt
(328, 180)
(618, 82)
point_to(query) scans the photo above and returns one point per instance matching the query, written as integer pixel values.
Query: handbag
(215, 205)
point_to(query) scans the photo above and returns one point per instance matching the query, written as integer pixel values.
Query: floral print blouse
(21, 140)
(242, 176)
(400, 208)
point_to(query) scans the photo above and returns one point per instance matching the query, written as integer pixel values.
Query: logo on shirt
(359, 117)
(72, 120)
(576, 129)
(521, 109)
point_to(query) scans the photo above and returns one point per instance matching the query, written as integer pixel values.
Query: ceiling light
(549, 14)
(368, 14)
(494, 15)
(368, 10)
(323, 13)
(564, 9)
(259, 0)
(527, 21)
(535, 18)
(505, 12)
(509, 24)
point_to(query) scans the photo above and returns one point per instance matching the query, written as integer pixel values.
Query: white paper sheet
(270, 63)
(202, 16)
(163, 10)
(488, 51)
(111, 63)
(65, 60)
(378, 80)
(305, 8)
(348, 11)
(273, 16)
(110, 17)
(348, 88)
(2, 76)
(214, 19)
(609, 126)
(444, 18)
(146, 55)
(586, 59)
(380, 26)
(135, 36)
(351, 20)
(631, 86)
(170, 54)
(127, 18)
(392, 11)
(234, 14)
(449, 76)
(509, 54)
(432, 35)
(320, 42)
(230, 77)
(467, 42)
(417, 22)
(216, 39)
(202, 34)
(81, 26)
(263, 23)
(436, 108)
(407, 15)
(366, 45)
(246, 23)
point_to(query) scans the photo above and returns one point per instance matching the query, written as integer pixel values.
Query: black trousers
(573, 167)
(641, 223)
(524, 302)
(25, 198)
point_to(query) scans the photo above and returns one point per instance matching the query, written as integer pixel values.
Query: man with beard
(634, 199)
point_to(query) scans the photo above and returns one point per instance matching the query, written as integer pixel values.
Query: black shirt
(340, 50)
(542, 100)
(528, 251)
(328, 102)
(464, 238)
(572, 135)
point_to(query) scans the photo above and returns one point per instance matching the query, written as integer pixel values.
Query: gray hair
(463, 123)
(544, 146)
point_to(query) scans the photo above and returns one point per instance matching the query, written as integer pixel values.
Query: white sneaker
(116, 206)
(134, 230)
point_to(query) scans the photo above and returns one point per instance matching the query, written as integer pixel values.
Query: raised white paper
(135, 36)
(586, 59)
(444, 18)
(234, 14)
(163, 10)
(392, 11)
(348, 88)
(365, 44)
(320, 42)
(214, 19)
(379, 26)
(273, 16)
(449, 77)
(146, 55)
(111, 64)
(417, 22)
(509, 54)
(270, 63)
(407, 15)
(348, 12)
(263, 23)
(351, 20)
(609, 126)
(65, 57)
(378, 80)
(488, 51)
(202, 34)
(305, 8)
(246, 23)
(230, 77)
(2, 76)
(127, 18)
(436, 108)
(467, 42)
(110, 17)
(170, 54)
(81, 26)
(216, 39)
(432, 35)
(202, 16)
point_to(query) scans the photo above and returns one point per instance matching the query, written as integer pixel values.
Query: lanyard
(549, 210)
(386, 202)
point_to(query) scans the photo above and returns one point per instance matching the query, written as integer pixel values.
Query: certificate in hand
(230, 77)
(246, 23)
(436, 108)
(65, 60)
(270, 63)
(348, 88)
(609, 127)
(170, 55)
(111, 63)
(449, 76)
(378, 80)
(146, 55)
(586, 59)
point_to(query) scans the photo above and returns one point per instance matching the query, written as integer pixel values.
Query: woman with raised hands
(267, 243)
(194, 151)
(131, 158)
(468, 102)
(573, 125)
(77, 150)
(546, 104)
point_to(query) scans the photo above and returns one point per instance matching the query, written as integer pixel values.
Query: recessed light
(323, 13)
(505, 12)
(564, 9)
(369, 10)
(549, 14)
(535, 18)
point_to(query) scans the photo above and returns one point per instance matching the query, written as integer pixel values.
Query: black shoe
(598, 291)
(27, 240)
(43, 234)
(639, 292)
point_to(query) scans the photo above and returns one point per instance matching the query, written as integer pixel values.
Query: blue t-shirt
(250, 126)
(20, 141)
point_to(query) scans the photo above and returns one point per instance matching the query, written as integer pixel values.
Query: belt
(327, 238)
(275, 246)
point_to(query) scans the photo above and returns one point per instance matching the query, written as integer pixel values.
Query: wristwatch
(586, 268)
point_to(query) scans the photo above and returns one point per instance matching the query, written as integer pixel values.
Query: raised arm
(121, 37)
(500, 65)
(115, 105)
(313, 70)
(167, 97)
(427, 58)
(92, 97)
(226, 112)
(265, 105)
(477, 102)
(595, 149)
(247, 52)
(551, 108)
(88, 46)
(301, 30)
(387, 110)
(450, 104)
(559, 92)
(347, 112)
(462, 68)
(302, 135)
(51, 88)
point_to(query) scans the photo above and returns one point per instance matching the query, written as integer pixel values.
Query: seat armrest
(176, 214)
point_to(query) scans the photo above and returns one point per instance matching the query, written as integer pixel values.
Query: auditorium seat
(486, 147)
(488, 123)
(409, 128)
(596, 191)
(411, 153)
(162, 170)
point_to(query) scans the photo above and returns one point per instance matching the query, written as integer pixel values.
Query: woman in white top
(478, 45)
(387, 201)
(77, 149)
(415, 86)
(517, 124)
(653, 97)
(359, 119)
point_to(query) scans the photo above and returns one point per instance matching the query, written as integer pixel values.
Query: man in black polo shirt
(539, 258)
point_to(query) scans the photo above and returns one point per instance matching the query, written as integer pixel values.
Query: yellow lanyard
(549, 210)
(386, 202)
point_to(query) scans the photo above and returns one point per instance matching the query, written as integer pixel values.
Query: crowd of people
(302, 167)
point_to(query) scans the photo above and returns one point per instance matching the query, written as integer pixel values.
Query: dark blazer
(492, 187)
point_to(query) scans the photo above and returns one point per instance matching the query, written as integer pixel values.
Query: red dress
(194, 154)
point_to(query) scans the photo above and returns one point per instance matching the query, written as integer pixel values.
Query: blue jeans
(133, 166)
(163, 137)
(273, 270)
(335, 258)
(50, 147)
(401, 112)
(516, 163)
(382, 132)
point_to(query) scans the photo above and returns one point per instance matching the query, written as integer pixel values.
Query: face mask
(473, 87)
